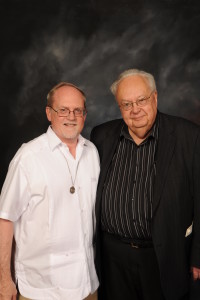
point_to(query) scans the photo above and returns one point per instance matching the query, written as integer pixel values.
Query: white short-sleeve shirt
(53, 228)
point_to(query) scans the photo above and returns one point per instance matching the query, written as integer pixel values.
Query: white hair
(133, 72)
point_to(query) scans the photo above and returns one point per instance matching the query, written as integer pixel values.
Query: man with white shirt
(47, 203)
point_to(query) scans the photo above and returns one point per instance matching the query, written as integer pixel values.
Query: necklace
(72, 188)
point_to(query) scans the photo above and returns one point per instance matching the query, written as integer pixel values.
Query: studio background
(89, 43)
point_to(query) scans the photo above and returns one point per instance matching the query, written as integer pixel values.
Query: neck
(139, 135)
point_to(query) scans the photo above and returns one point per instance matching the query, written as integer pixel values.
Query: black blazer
(176, 202)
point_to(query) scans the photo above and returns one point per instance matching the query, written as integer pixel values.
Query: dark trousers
(128, 273)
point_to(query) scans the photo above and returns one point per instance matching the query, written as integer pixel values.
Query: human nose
(71, 115)
(135, 108)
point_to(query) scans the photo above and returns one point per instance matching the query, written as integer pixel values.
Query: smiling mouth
(69, 124)
(137, 118)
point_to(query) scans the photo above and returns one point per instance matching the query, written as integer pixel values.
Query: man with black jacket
(148, 198)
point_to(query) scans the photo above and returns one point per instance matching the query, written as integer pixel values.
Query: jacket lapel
(109, 146)
(166, 144)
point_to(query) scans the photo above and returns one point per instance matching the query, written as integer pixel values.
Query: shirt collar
(54, 140)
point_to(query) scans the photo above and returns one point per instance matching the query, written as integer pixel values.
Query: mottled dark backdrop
(89, 43)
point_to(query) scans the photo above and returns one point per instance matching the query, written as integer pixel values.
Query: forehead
(68, 96)
(133, 85)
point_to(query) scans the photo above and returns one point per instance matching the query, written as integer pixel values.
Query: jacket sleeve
(195, 251)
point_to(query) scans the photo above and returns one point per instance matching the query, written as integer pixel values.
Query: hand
(8, 290)
(195, 273)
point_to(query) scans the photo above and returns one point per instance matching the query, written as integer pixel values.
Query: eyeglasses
(65, 112)
(127, 105)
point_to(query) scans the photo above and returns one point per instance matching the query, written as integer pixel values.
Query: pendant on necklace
(72, 190)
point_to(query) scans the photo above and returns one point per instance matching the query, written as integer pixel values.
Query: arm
(7, 287)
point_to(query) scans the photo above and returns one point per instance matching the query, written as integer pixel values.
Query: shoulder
(184, 131)
(90, 148)
(89, 144)
(103, 130)
(108, 125)
(91, 154)
(32, 147)
(177, 123)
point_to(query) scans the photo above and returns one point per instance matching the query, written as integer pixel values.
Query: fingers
(5, 297)
(8, 290)
(14, 297)
(195, 273)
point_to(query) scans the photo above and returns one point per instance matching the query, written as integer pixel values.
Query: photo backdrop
(89, 43)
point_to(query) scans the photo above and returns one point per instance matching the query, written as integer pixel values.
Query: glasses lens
(126, 105)
(63, 112)
(142, 102)
(79, 112)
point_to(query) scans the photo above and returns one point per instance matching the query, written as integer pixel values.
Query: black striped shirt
(128, 190)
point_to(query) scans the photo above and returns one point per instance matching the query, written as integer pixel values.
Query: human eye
(142, 101)
(63, 111)
(126, 105)
(78, 111)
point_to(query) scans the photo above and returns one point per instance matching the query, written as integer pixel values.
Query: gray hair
(57, 86)
(133, 72)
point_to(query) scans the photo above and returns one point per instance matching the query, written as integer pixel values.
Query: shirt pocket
(68, 270)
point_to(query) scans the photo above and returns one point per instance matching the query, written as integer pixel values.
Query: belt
(134, 243)
(137, 243)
